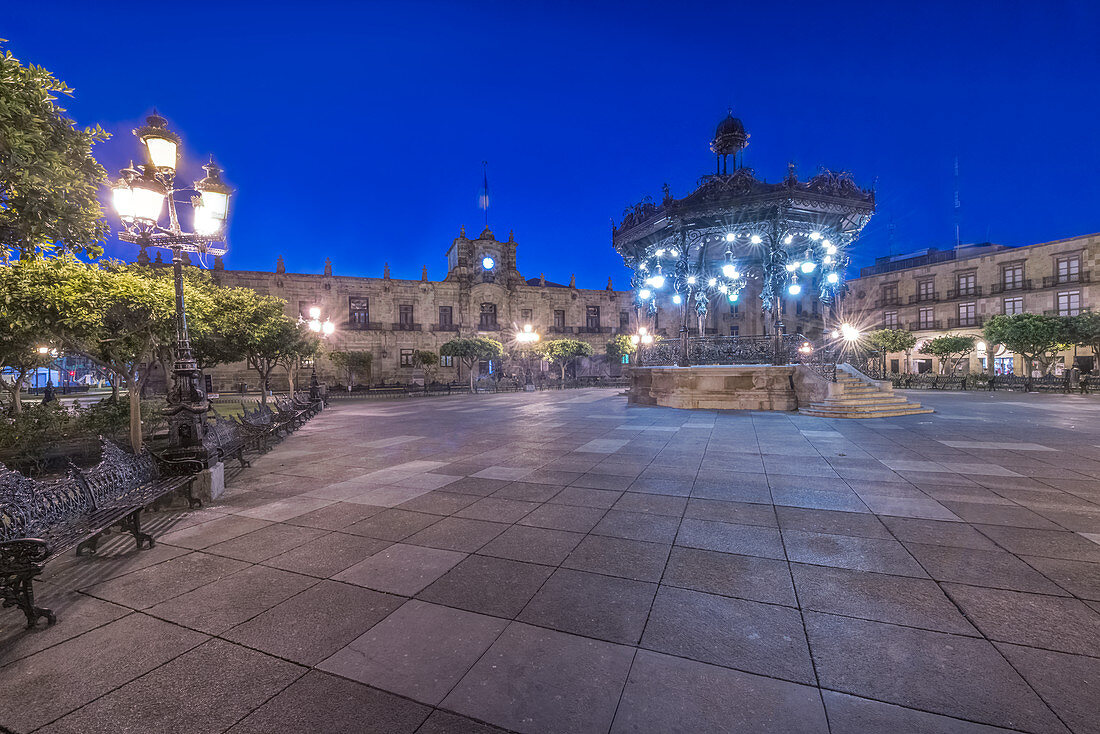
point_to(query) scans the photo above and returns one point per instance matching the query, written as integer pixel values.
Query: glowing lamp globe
(791, 267)
(712, 282)
(794, 289)
(733, 297)
(122, 196)
(815, 236)
(328, 327)
(645, 294)
(677, 299)
(730, 236)
(755, 239)
(832, 278)
(657, 281)
(849, 332)
(808, 266)
(161, 144)
(148, 198)
(691, 280)
(729, 271)
(788, 240)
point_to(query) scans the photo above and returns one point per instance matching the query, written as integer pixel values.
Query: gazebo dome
(729, 137)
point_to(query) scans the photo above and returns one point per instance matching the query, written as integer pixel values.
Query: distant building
(934, 292)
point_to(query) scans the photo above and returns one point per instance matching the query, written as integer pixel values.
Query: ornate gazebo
(739, 239)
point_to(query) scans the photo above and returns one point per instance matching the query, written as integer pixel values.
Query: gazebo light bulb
(755, 239)
(723, 288)
(829, 248)
(730, 236)
(815, 236)
(691, 280)
(788, 240)
(712, 282)
(832, 278)
(677, 300)
(794, 289)
(808, 266)
(645, 294)
(733, 297)
(729, 271)
(660, 252)
(791, 267)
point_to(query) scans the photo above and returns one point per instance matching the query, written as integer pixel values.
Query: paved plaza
(560, 562)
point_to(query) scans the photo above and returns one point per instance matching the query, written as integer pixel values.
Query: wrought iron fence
(709, 350)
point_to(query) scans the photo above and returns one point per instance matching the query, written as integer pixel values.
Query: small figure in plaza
(47, 394)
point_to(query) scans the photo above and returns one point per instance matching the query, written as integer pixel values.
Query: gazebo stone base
(725, 387)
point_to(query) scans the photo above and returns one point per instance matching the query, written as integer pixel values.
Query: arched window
(488, 316)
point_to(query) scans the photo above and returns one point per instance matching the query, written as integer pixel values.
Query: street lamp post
(527, 336)
(139, 196)
(325, 328)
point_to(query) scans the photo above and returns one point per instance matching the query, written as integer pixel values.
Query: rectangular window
(968, 313)
(926, 318)
(358, 312)
(446, 361)
(525, 315)
(1069, 269)
(925, 290)
(1012, 276)
(967, 284)
(890, 294)
(559, 319)
(1069, 303)
(735, 330)
(890, 319)
(624, 321)
(488, 316)
(406, 358)
(405, 315)
(446, 316)
(783, 307)
(592, 318)
(1014, 306)
(798, 308)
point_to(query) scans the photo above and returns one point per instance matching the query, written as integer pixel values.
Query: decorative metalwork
(726, 350)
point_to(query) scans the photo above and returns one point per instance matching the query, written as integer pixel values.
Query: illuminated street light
(849, 332)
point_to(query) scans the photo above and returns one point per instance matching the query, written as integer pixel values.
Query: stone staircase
(853, 397)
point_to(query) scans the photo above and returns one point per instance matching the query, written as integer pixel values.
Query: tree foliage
(470, 350)
(1084, 330)
(620, 345)
(561, 352)
(892, 341)
(49, 181)
(951, 349)
(352, 364)
(1035, 337)
(429, 362)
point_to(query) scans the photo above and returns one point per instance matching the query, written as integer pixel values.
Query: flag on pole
(483, 199)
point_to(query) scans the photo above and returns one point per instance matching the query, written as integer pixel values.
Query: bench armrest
(22, 554)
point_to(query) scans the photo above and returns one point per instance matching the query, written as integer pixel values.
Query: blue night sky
(356, 130)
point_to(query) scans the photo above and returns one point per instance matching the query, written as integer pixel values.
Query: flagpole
(485, 191)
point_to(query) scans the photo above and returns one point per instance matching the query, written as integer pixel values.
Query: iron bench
(227, 438)
(39, 521)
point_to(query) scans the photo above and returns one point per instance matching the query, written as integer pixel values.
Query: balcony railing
(560, 329)
(488, 327)
(924, 297)
(1020, 285)
(406, 326)
(968, 292)
(887, 301)
(886, 325)
(371, 326)
(925, 325)
(964, 321)
(1067, 279)
(593, 329)
(1062, 312)
(444, 327)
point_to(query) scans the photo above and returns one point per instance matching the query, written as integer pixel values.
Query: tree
(893, 341)
(563, 351)
(278, 341)
(429, 362)
(19, 354)
(619, 346)
(49, 181)
(950, 349)
(352, 364)
(470, 350)
(1036, 338)
(1085, 331)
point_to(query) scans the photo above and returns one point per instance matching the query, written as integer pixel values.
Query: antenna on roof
(483, 199)
(957, 207)
(890, 230)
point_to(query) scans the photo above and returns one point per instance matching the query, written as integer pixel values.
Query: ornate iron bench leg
(20, 593)
(245, 463)
(20, 562)
(90, 544)
(132, 524)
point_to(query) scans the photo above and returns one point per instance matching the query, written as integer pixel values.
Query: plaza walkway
(559, 562)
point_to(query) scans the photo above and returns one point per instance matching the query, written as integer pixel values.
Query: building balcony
(488, 327)
(444, 327)
(886, 325)
(370, 326)
(924, 298)
(593, 329)
(406, 326)
(886, 302)
(1054, 281)
(966, 321)
(973, 291)
(925, 325)
(997, 288)
(560, 330)
(1062, 312)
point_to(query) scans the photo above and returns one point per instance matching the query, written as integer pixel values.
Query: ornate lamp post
(527, 337)
(324, 328)
(139, 198)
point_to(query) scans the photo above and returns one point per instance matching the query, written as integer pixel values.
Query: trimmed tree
(352, 364)
(429, 362)
(892, 341)
(949, 349)
(49, 181)
(562, 352)
(1035, 337)
(1085, 331)
(620, 346)
(470, 350)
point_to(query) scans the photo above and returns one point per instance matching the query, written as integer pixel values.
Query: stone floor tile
(313, 625)
(1070, 684)
(497, 509)
(259, 545)
(392, 524)
(748, 540)
(401, 569)
(117, 558)
(951, 675)
(323, 703)
(586, 497)
(439, 502)
(419, 651)
(853, 715)
(592, 605)
(936, 532)
(1049, 622)
(996, 569)
(197, 537)
(386, 495)
(235, 680)
(671, 694)
(734, 633)
(488, 585)
(564, 517)
(477, 486)
(51, 683)
(859, 524)
(717, 489)
(1047, 543)
(926, 509)
(1080, 578)
(227, 602)
(457, 534)
(847, 501)
(741, 513)
(444, 722)
(631, 559)
(284, 508)
(80, 613)
(528, 491)
(509, 473)
(154, 584)
(880, 597)
(745, 577)
(533, 545)
(844, 551)
(594, 480)
(651, 503)
(574, 686)
(1010, 515)
(672, 487)
(638, 526)
(328, 555)
(335, 516)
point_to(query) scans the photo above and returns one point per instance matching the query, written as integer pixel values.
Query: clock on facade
(488, 263)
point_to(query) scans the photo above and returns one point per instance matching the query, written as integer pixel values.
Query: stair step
(900, 411)
(873, 400)
(862, 407)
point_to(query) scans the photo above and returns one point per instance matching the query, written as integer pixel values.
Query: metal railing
(713, 350)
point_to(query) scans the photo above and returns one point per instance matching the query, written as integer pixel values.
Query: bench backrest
(28, 508)
(117, 473)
